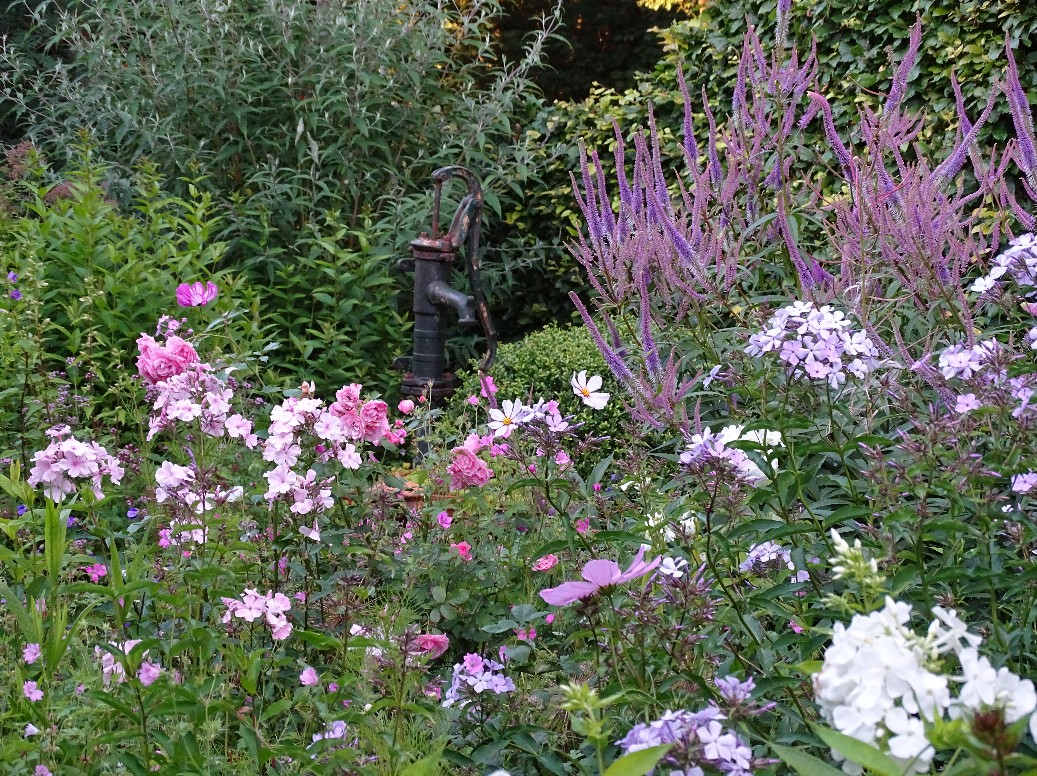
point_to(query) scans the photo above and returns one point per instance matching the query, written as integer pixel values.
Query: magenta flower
(308, 677)
(31, 653)
(599, 574)
(195, 294)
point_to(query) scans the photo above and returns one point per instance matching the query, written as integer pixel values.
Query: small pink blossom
(445, 519)
(464, 549)
(95, 571)
(526, 635)
(474, 400)
(332, 687)
(148, 673)
(406, 406)
(488, 388)
(42, 770)
(467, 469)
(32, 692)
(562, 458)
(196, 294)
(583, 525)
(796, 628)
(308, 677)
(549, 619)
(31, 653)
(545, 563)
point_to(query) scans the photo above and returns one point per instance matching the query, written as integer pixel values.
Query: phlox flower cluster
(700, 739)
(1019, 262)
(197, 394)
(881, 682)
(964, 362)
(818, 342)
(473, 676)
(706, 447)
(112, 668)
(179, 484)
(771, 553)
(272, 608)
(300, 425)
(67, 459)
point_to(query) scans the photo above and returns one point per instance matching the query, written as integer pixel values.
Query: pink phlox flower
(598, 574)
(196, 294)
(31, 653)
(309, 677)
(32, 692)
(313, 533)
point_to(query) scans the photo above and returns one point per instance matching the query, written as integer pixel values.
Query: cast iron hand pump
(432, 260)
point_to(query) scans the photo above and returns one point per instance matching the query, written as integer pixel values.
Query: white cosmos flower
(506, 419)
(587, 388)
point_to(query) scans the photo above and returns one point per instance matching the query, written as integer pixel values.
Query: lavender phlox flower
(706, 446)
(1024, 483)
(961, 361)
(598, 574)
(1018, 261)
(473, 676)
(816, 342)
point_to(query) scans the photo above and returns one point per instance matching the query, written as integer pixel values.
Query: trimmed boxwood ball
(541, 365)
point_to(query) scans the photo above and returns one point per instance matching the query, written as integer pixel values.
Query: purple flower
(132, 513)
(16, 295)
(599, 574)
(11, 276)
(22, 509)
(32, 692)
(196, 294)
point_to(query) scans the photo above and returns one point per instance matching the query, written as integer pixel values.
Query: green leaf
(637, 763)
(805, 764)
(426, 766)
(860, 752)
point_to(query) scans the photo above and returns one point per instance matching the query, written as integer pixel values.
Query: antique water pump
(432, 261)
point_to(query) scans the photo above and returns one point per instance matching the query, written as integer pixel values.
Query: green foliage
(332, 297)
(541, 364)
(89, 279)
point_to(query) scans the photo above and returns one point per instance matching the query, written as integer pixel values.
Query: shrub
(540, 365)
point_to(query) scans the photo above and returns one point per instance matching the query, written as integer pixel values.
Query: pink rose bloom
(160, 362)
(464, 549)
(347, 399)
(433, 644)
(545, 563)
(406, 406)
(467, 470)
(374, 415)
(308, 677)
(196, 294)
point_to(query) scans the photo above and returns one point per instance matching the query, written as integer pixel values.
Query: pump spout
(441, 295)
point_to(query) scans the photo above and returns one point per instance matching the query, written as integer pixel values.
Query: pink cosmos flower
(464, 549)
(32, 692)
(545, 563)
(433, 644)
(31, 653)
(308, 677)
(597, 575)
(195, 294)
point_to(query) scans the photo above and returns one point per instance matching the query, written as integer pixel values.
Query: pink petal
(601, 572)
(567, 592)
